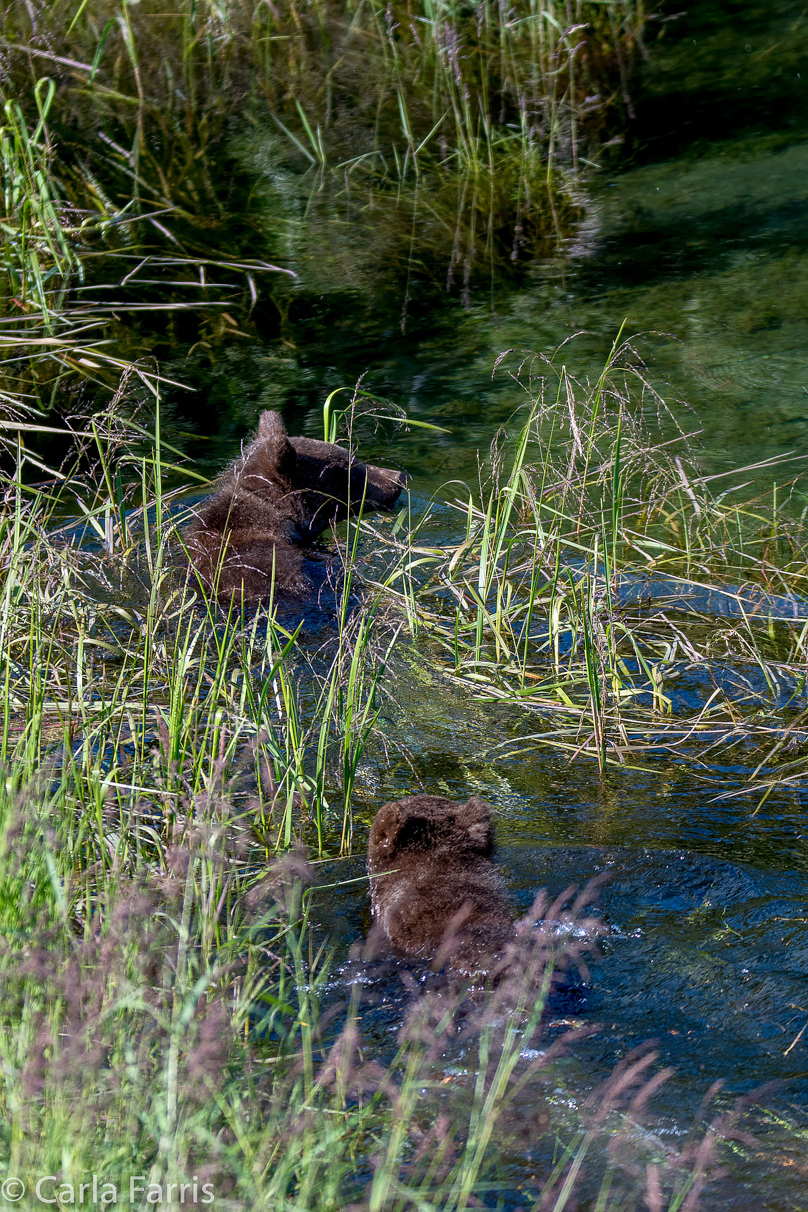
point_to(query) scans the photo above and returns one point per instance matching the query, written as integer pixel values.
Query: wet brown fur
(434, 890)
(274, 501)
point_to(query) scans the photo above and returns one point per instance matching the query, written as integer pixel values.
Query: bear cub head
(320, 482)
(275, 499)
(435, 893)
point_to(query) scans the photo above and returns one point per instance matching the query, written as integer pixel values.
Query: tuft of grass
(626, 603)
(129, 208)
(38, 254)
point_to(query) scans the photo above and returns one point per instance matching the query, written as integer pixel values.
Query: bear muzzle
(384, 486)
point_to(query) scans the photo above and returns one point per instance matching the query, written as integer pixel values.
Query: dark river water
(697, 238)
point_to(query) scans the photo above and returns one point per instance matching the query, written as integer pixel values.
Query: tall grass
(122, 127)
(110, 651)
(631, 604)
(348, 77)
(169, 1012)
(164, 1020)
(37, 242)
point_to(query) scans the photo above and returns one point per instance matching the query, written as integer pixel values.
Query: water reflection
(707, 259)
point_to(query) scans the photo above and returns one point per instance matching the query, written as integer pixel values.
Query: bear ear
(386, 828)
(271, 426)
(272, 433)
(475, 819)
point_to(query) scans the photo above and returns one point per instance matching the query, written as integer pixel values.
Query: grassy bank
(166, 166)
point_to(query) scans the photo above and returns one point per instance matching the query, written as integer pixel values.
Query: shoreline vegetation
(136, 207)
(170, 1006)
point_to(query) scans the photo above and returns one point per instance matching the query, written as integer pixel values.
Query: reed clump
(354, 80)
(629, 605)
(125, 126)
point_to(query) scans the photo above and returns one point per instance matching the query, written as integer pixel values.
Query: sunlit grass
(166, 1004)
(608, 589)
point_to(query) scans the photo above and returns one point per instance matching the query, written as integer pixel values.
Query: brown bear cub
(273, 502)
(434, 890)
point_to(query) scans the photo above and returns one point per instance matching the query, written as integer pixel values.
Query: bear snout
(384, 486)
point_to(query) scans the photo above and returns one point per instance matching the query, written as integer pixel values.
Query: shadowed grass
(128, 160)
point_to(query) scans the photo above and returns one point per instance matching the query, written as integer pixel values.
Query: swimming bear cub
(435, 892)
(274, 501)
